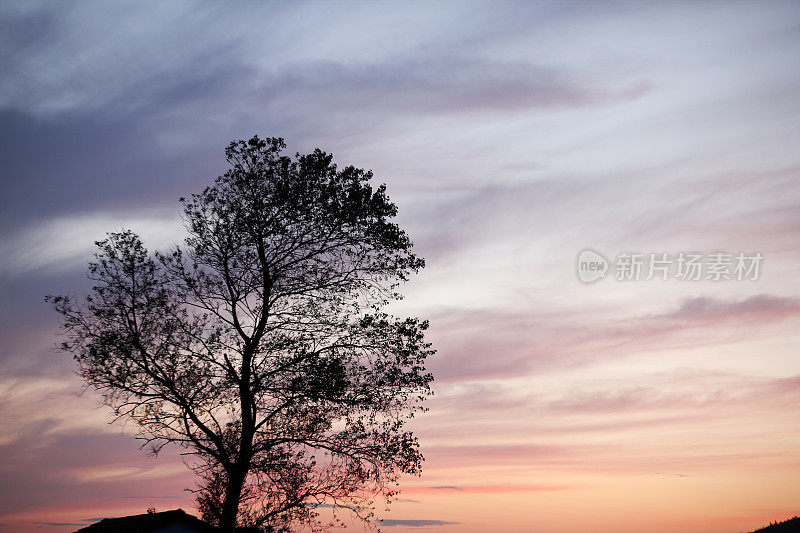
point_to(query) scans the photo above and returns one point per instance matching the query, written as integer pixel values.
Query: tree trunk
(230, 508)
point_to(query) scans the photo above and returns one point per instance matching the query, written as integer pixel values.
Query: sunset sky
(512, 136)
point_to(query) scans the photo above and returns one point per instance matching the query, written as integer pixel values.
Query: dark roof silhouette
(177, 520)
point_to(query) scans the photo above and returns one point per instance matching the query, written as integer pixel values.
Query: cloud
(84, 470)
(497, 454)
(761, 307)
(633, 399)
(65, 243)
(389, 522)
(45, 407)
(697, 321)
(148, 498)
(95, 77)
(682, 390)
(76, 164)
(446, 487)
(330, 506)
(230, 65)
(492, 343)
(496, 488)
(440, 84)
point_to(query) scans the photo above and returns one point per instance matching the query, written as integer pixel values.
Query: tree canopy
(262, 345)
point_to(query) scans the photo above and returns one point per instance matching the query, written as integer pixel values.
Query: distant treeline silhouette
(793, 524)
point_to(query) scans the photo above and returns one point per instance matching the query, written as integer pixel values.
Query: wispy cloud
(493, 343)
(65, 243)
(761, 307)
(389, 522)
(442, 84)
(149, 497)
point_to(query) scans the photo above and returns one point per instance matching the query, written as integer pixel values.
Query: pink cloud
(47, 476)
(489, 344)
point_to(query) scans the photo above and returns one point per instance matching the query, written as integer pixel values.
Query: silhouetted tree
(262, 346)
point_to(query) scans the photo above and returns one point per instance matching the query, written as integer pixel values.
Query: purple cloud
(389, 522)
